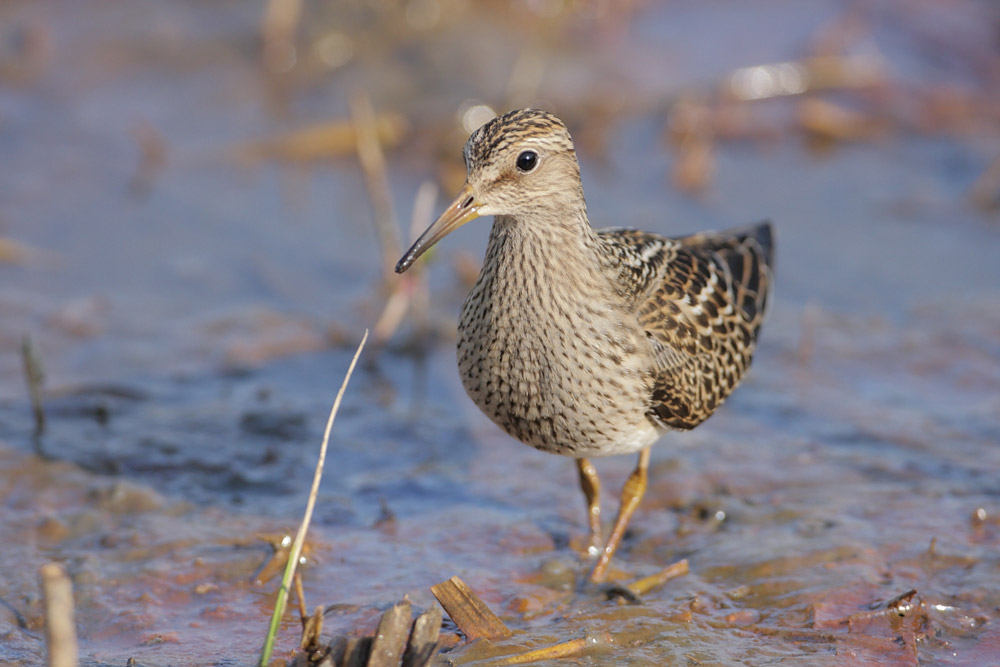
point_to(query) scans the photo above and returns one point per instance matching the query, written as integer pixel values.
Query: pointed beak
(463, 209)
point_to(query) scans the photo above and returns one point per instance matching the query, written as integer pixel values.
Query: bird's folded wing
(700, 300)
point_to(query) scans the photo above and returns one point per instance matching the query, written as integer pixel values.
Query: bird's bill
(462, 210)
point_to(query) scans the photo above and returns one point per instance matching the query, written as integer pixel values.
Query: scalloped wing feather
(700, 300)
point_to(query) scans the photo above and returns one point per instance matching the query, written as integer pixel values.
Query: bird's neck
(563, 238)
(527, 253)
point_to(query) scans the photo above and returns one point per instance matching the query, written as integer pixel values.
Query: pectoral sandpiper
(587, 342)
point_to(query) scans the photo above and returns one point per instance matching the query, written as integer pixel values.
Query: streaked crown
(514, 128)
(523, 164)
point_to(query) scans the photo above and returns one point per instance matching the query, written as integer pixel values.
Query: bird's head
(520, 165)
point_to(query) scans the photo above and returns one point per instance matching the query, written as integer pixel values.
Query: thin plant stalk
(373, 167)
(300, 537)
(60, 628)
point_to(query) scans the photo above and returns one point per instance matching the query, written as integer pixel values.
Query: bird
(592, 342)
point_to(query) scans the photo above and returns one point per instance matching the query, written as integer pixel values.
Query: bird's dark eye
(527, 160)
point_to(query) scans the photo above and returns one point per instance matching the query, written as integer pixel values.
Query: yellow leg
(591, 486)
(635, 488)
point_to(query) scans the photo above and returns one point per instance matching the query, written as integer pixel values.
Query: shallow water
(195, 311)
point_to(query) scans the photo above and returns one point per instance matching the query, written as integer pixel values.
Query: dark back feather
(701, 301)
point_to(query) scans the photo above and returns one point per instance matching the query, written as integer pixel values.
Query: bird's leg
(591, 486)
(634, 489)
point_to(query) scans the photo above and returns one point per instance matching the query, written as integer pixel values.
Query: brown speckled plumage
(591, 342)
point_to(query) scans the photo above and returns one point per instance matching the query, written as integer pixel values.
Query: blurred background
(200, 205)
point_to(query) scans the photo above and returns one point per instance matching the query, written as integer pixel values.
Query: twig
(300, 537)
(60, 628)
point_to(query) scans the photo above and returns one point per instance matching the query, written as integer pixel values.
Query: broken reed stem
(472, 616)
(570, 649)
(642, 586)
(60, 628)
(34, 375)
(376, 179)
(389, 641)
(300, 537)
(423, 638)
(281, 20)
(421, 219)
(410, 291)
(301, 595)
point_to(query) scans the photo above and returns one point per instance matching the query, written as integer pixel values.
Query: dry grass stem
(14, 252)
(692, 172)
(300, 536)
(410, 290)
(827, 120)
(277, 30)
(281, 544)
(646, 584)
(571, 649)
(34, 375)
(377, 181)
(985, 192)
(60, 628)
(322, 141)
(300, 595)
(152, 157)
(807, 338)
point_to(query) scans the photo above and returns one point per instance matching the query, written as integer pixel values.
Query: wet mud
(192, 247)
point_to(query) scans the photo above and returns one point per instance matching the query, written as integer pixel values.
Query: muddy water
(195, 300)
